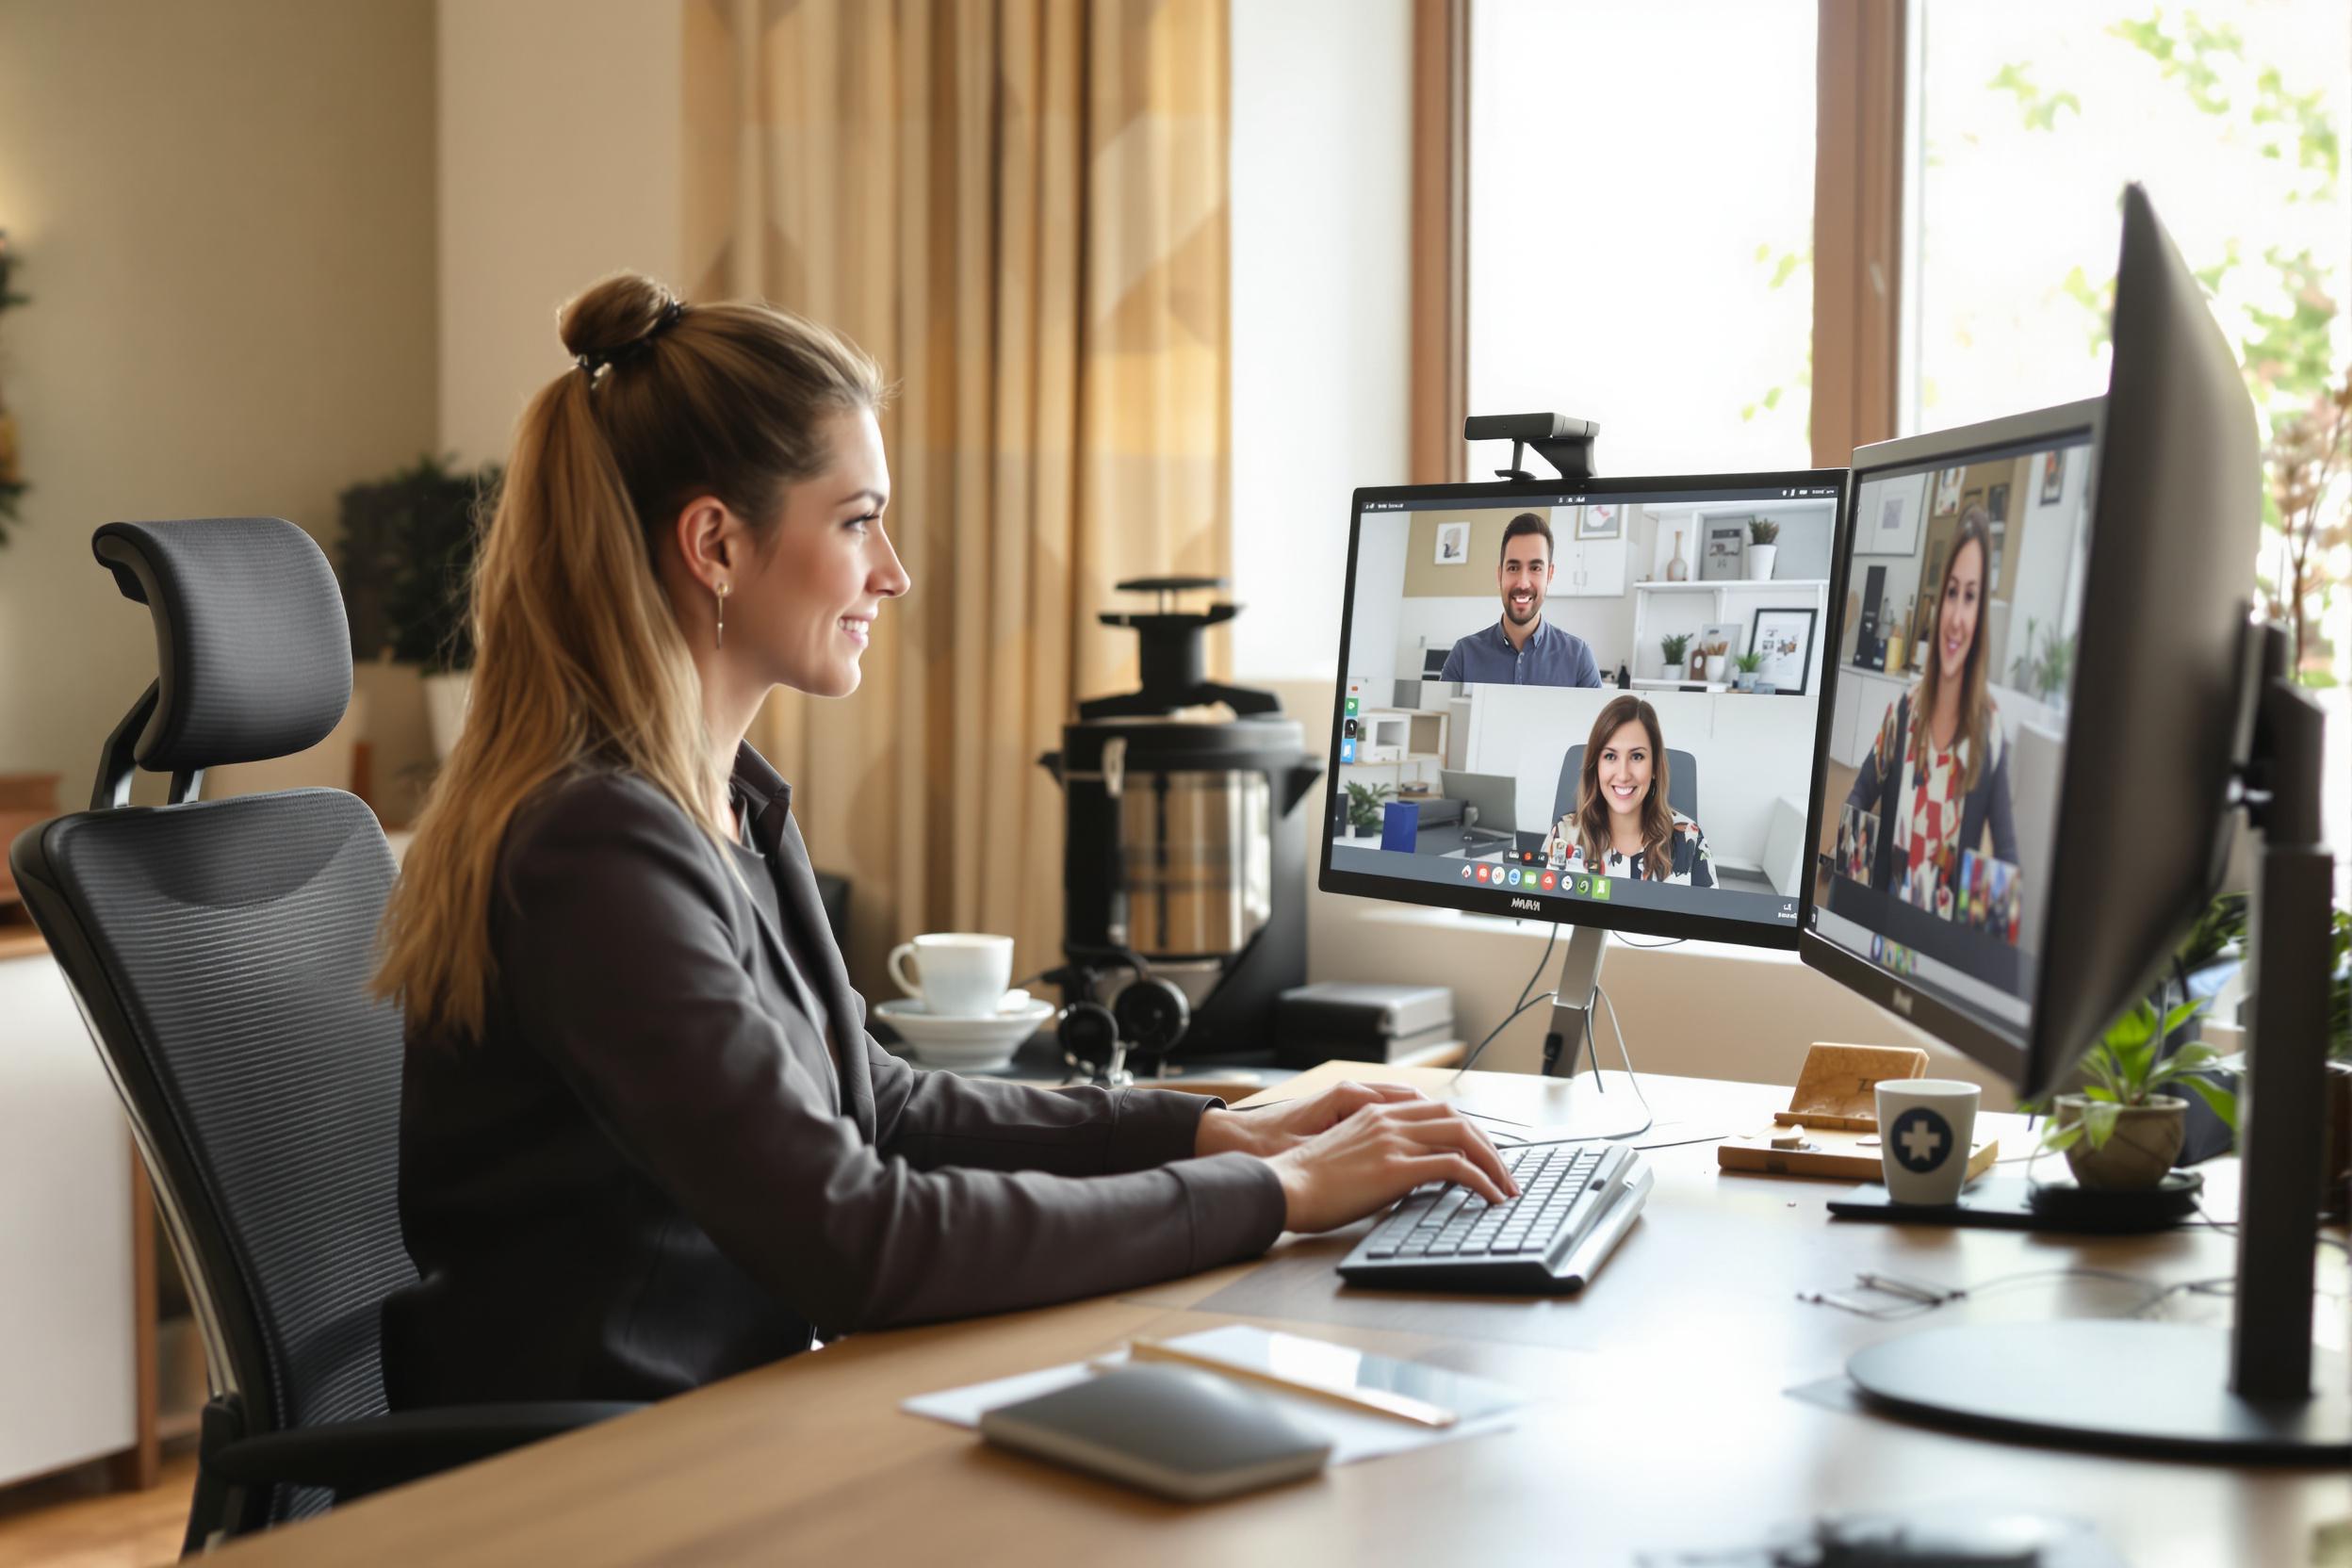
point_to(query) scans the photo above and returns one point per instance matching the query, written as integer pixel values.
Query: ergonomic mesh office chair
(219, 952)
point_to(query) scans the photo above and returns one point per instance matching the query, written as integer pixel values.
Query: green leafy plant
(408, 560)
(2043, 668)
(1364, 804)
(1672, 647)
(2126, 1068)
(1763, 531)
(2219, 932)
(1749, 663)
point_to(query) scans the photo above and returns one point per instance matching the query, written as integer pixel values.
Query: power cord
(1917, 1306)
(1649, 1118)
(1517, 1008)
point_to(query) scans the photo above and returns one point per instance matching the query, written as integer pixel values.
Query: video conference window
(1602, 696)
(1954, 672)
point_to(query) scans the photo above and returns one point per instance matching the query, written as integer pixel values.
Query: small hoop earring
(721, 592)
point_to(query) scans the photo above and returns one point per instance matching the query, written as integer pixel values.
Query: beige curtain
(1018, 206)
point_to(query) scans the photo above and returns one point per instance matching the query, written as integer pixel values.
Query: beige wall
(562, 152)
(225, 214)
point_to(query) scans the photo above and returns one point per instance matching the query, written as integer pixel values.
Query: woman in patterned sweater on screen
(1937, 777)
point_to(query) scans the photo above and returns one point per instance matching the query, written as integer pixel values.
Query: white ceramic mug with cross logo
(1925, 1128)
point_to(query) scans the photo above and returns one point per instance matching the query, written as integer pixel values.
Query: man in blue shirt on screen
(1522, 649)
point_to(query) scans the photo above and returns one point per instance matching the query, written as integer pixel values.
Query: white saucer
(973, 1044)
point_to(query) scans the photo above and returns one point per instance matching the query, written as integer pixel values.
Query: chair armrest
(355, 1458)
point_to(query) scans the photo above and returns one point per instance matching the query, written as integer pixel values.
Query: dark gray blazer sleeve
(933, 1119)
(612, 942)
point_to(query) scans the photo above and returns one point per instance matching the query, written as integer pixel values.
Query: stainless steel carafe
(1185, 847)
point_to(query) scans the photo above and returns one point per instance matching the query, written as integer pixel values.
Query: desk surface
(1664, 1416)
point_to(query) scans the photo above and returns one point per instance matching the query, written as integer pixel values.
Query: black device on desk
(2132, 569)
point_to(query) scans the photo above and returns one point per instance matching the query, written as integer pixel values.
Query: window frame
(1858, 231)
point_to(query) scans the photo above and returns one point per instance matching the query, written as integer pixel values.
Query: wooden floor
(71, 1520)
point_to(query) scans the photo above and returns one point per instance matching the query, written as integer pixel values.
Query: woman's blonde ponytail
(579, 655)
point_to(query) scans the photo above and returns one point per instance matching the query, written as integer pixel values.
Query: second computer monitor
(1513, 736)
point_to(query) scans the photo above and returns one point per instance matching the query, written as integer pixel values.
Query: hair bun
(616, 316)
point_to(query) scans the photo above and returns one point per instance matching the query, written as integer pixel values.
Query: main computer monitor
(1484, 779)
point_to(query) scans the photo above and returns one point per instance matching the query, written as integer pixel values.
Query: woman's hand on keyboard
(1267, 1132)
(1379, 1153)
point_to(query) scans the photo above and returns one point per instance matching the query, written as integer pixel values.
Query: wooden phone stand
(1831, 1125)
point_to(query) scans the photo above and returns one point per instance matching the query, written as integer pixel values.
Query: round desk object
(2117, 1384)
(2072, 1206)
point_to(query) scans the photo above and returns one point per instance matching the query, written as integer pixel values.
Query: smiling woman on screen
(1939, 768)
(1623, 825)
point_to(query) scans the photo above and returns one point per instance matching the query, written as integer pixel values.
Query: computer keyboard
(1575, 1202)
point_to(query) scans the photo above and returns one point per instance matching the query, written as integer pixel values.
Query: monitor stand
(1572, 1001)
(2248, 1393)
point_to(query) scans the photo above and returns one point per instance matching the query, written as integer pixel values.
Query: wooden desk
(1665, 1418)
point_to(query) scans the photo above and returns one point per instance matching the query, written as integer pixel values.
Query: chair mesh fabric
(238, 936)
(255, 654)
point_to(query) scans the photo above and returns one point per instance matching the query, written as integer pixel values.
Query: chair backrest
(1682, 783)
(219, 950)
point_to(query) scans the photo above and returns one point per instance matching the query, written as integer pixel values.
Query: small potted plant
(408, 560)
(1672, 649)
(1763, 545)
(1365, 807)
(1748, 663)
(2121, 1132)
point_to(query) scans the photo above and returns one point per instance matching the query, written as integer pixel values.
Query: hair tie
(597, 359)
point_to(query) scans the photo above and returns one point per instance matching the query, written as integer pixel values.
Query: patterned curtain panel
(1018, 207)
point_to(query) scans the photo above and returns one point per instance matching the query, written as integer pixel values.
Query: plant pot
(1760, 558)
(1744, 682)
(446, 695)
(2145, 1141)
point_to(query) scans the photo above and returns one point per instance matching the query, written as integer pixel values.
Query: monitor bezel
(2000, 1048)
(1496, 901)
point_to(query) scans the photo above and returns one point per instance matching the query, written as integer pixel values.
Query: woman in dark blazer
(645, 1140)
(1937, 776)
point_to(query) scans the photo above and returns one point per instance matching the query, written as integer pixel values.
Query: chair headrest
(252, 655)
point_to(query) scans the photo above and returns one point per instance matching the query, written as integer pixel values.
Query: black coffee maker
(1183, 856)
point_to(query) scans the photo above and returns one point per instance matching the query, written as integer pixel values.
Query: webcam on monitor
(1566, 444)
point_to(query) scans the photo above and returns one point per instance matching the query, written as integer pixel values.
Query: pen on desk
(1378, 1401)
(1895, 1285)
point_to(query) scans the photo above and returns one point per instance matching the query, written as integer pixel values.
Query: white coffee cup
(1926, 1127)
(957, 973)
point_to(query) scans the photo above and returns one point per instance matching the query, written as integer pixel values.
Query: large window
(2030, 118)
(1641, 212)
